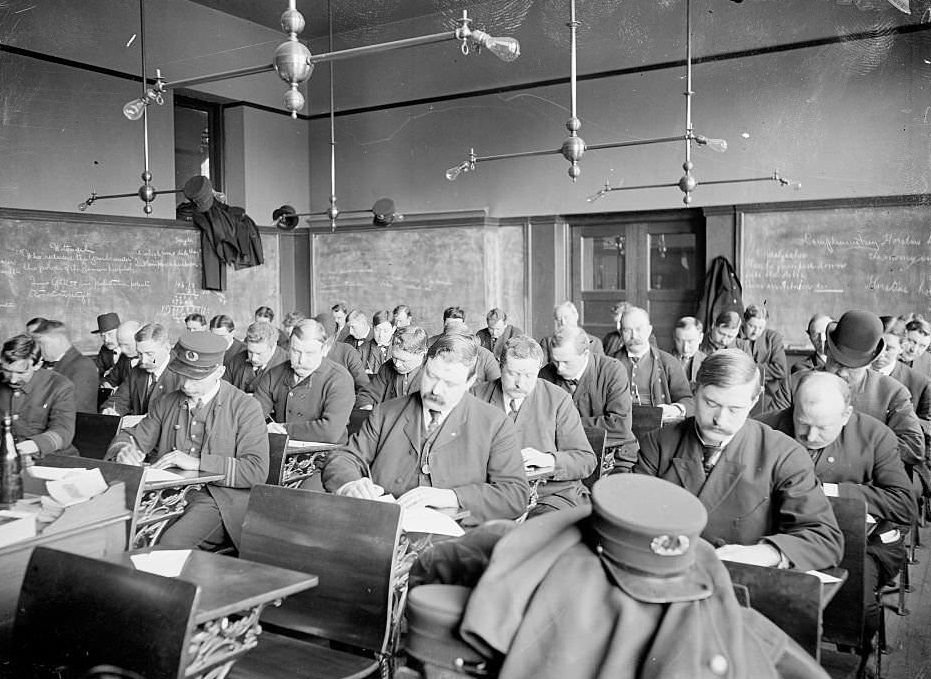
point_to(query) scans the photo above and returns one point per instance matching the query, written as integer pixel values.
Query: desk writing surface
(188, 477)
(229, 585)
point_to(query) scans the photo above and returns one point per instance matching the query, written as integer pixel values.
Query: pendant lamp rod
(333, 211)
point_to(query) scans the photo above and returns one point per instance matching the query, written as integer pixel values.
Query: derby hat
(284, 218)
(646, 531)
(384, 211)
(106, 323)
(199, 191)
(856, 339)
(434, 613)
(198, 354)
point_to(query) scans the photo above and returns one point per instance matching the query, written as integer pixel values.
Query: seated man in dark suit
(224, 326)
(439, 447)
(549, 428)
(688, 336)
(566, 315)
(723, 333)
(310, 397)
(261, 355)
(61, 356)
(266, 314)
(377, 350)
(765, 347)
(400, 375)
(206, 425)
(109, 352)
(497, 333)
(342, 353)
(291, 319)
(817, 334)
(857, 456)
(129, 356)
(915, 352)
(599, 389)
(41, 402)
(764, 504)
(656, 377)
(402, 316)
(360, 331)
(612, 342)
(150, 380)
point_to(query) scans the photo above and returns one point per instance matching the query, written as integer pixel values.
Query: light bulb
(718, 145)
(135, 108)
(453, 173)
(506, 49)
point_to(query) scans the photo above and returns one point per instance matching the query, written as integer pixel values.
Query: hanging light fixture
(573, 147)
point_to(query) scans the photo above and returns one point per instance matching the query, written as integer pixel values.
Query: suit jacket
(357, 344)
(548, 421)
(315, 409)
(811, 362)
(919, 388)
(487, 368)
(235, 444)
(690, 366)
(388, 383)
(242, 375)
(132, 398)
(475, 453)
(769, 354)
(233, 351)
(864, 463)
(496, 346)
(373, 357)
(668, 383)
(612, 343)
(105, 360)
(83, 374)
(762, 488)
(602, 398)
(120, 372)
(43, 412)
(547, 609)
(594, 345)
(922, 364)
(890, 403)
(350, 359)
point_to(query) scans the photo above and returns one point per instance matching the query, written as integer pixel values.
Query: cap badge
(670, 545)
(191, 355)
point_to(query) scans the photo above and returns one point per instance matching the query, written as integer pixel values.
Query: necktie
(571, 385)
(432, 427)
(707, 458)
(515, 406)
(434, 423)
(150, 386)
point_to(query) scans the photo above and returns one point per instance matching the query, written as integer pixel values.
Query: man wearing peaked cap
(207, 425)
(625, 588)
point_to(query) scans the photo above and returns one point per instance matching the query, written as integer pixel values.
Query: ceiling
(348, 15)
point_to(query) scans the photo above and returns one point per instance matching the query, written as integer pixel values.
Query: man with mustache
(261, 355)
(438, 447)
(150, 380)
(764, 504)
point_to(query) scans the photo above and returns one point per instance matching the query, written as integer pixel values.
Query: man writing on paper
(150, 380)
(439, 447)
(207, 425)
(764, 504)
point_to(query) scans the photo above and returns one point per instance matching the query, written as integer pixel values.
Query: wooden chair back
(277, 444)
(596, 439)
(93, 433)
(845, 616)
(644, 419)
(350, 544)
(113, 472)
(76, 613)
(791, 599)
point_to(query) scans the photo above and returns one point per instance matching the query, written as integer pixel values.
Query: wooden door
(652, 260)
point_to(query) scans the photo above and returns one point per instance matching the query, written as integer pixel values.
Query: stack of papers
(425, 520)
(153, 475)
(166, 562)
(65, 487)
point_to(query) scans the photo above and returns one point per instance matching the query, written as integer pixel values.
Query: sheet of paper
(153, 475)
(166, 562)
(76, 488)
(824, 577)
(294, 443)
(130, 421)
(52, 473)
(426, 520)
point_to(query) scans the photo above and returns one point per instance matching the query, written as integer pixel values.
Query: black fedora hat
(284, 218)
(856, 339)
(106, 323)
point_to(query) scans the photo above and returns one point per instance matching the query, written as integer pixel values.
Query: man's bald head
(821, 409)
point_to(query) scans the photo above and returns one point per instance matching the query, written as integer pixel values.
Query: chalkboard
(428, 269)
(830, 259)
(71, 269)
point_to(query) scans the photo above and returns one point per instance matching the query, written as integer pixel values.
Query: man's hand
(176, 458)
(671, 413)
(535, 458)
(758, 555)
(426, 496)
(129, 453)
(276, 428)
(363, 488)
(367, 406)
(27, 447)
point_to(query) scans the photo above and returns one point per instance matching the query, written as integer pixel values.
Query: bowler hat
(856, 339)
(284, 219)
(106, 323)
(433, 616)
(646, 531)
(199, 190)
(384, 211)
(198, 354)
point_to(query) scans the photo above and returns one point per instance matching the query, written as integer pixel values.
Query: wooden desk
(164, 500)
(233, 593)
(793, 600)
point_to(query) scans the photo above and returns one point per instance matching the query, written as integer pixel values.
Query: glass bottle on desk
(11, 482)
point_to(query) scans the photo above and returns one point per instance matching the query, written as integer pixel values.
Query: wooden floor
(909, 637)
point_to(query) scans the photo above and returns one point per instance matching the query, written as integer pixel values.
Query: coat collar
(713, 489)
